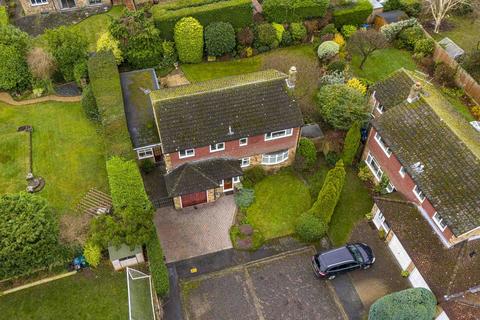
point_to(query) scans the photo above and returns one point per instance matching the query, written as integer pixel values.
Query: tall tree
(440, 8)
(366, 42)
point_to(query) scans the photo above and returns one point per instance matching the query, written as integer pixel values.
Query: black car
(329, 263)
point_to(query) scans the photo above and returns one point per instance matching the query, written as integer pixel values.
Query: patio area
(195, 231)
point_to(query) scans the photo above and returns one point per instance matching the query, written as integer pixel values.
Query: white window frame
(279, 134)
(380, 109)
(220, 146)
(38, 3)
(236, 179)
(439, 221)
(382, 145)
(188, 153)
(402, 171)
(274, 158)
(245, 162)
(244, 143)
(145, 153)
(419, 194)
(390, 187)
(370, 158)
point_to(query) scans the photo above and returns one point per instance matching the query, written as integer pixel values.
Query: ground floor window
(145, 153)
(275, 158)
(245, 162)
(374, 166)
(95, 1)
(390, 187)
(236, 179)
(439, 221)
(38, 2)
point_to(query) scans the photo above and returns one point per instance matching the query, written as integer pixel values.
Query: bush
(310, 228)
(236, 12)
(157, 267)
(253, 176)
(245, 37)
(340, 106)
(414, 303)
(412, 8)
(444, 75)
(475, 112)
(424, 47)
(328, 29)
(338, 38)
(279, 29)
(256, 238)
(219, 38)
(14, 73)
(410, 36)
(331, 158)
(107, 43)
(352, 142)
(353, 14)
(92, 253)
(169, 58)
(266, 36)
(348, 30)
(147, 166)
(471, 63)
(3, 15)
(11, 36)
(68, 47)
(390, 31)
(327, 50)
(80, 72)
(283, 11)
(307, 151)
(364, 174)
(298, 31)
(338, 66)
(357, 85)
(28, 233)
(189, 40)
(40, 63)
(287, 39)
(335, 77)
(244, 198)
(89, 104)
(105, 83)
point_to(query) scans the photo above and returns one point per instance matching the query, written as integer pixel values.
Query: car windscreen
(355, 253)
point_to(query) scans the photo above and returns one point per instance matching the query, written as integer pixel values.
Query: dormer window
(217, 147)
(278, 134)
(439, 221)
(243, 142)
(382, 145)
(187, 153)
(419, 194)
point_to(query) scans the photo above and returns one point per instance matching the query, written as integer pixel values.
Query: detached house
(209, 132)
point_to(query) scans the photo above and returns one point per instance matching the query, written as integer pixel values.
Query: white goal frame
(131, 277)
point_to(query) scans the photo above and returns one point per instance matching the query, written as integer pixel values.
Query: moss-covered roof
(451, 172)
(394, 89)
(224, 109)
(136, 86)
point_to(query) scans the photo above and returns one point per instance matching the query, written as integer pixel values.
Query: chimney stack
(292, 77)
(414, 92)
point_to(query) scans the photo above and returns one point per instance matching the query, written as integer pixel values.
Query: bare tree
(366, 42)
(440, 8)
(41, 63)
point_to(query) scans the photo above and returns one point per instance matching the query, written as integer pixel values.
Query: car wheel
(367, 266)
(331, 277)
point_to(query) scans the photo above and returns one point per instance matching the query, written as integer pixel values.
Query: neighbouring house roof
(393, 16)
(224, 109)
(376, 4)
(202, 175)
(136, 86)
(394, 89)
(122, 251)
(451, 174)
(312, 131)
(451, 47)
(447, 271)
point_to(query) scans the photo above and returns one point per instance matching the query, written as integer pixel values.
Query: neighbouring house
(44, 6)
(123, 256)
(377, 6)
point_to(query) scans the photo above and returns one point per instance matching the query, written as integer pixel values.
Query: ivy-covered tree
(139, 40)
(28, 234)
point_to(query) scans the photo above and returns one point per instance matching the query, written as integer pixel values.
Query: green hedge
(105, 82)
(236, 12)
(353, 15)
(157, 266)
(3, 15)
(188, 35)
(352, 142)
(294, 10)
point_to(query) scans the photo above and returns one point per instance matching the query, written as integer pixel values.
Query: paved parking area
(193, 232)
(280, 287)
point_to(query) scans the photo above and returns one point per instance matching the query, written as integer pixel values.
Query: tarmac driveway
(280, 287)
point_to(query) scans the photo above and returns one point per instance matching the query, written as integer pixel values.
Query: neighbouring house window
(382, 145)
(95, 1)
(145, 153)
(390, 187)
(439, 221)
(374, 166)
(278, 134)
(217, 147)
(38, 2)
(275, 158)
(245, 162)
(243, 142)
(236, 179)
(419, 194)
(186, 153)
(402, 171)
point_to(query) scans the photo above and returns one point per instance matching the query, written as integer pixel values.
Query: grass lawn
(212, 70)
(98, 294)
(279, 200)
(465, 32)
(382, 63)
(68, 152)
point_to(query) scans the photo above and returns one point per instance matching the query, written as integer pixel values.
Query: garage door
(194, 198)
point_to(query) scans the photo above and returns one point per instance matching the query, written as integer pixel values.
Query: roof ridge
(194, 167)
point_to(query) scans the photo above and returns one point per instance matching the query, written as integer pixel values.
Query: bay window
(275, 157)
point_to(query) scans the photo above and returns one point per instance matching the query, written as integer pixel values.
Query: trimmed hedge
(352, 15)
(157, 266)
(188, 36)
(236, 12)
(105, 83)
(352, 141)
(3, 15)
(310, 228)
(283, 11)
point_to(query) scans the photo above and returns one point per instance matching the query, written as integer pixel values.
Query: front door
(227, 185)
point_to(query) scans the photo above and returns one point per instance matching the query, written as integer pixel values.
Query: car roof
(336, 256)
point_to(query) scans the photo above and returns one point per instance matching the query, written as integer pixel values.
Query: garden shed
(453, 50)
(123, 256)
(388, 17)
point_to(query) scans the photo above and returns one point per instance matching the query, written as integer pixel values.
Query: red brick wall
(391, 166)
(256, 145)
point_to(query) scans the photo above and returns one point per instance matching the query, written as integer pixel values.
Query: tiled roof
(451, 172)
(224, 109)
(136, 86)
(202, 175)
(393, 16)
(394, 89)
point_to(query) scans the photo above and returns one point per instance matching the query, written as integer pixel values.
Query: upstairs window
(243, 142)
(187, 153)
(379, 108)
(278, 134)
(217, 147)
(38, 2)
(439, 221)
(419, 194)
(402, 172)
(382, 145)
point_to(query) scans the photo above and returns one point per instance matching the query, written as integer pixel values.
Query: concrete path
(194, 232)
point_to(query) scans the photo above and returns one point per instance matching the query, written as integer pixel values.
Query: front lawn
(90, 294)
(68, 152)
(279, 200)
(382, 63)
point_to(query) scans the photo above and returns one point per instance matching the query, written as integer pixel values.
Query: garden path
(7, 98)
